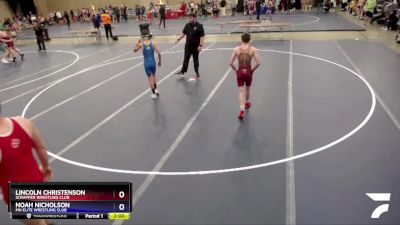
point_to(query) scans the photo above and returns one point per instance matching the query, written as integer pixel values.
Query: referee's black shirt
(193, 32)
(162, 12)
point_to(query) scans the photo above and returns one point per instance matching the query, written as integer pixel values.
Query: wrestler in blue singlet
(149, 60)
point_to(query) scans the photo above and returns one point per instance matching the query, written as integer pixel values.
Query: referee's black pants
(162, 19)
(107, 28)
(189, 51)
(40, 43)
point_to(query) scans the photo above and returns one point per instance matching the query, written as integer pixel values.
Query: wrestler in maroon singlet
(244, 53)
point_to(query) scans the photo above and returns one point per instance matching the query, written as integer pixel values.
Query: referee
(194, 33)
(162, 16)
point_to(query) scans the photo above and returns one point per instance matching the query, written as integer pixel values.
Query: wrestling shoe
(247, 105)
(241, 115)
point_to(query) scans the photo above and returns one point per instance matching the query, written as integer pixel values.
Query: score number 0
(121, 195)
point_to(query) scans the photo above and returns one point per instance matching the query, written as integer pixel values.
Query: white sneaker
(5, 61)
(154, 96)
(193, 79)
(157, 92)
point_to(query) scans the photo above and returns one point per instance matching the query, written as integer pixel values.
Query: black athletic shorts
(369, 14)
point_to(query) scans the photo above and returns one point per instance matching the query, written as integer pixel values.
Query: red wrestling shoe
(247, 105)
(241, 115)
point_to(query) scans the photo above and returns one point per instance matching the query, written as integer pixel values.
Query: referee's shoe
(180, 74)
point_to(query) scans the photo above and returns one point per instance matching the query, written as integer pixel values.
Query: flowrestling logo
(379, 197)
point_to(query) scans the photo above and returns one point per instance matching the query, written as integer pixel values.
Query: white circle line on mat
(250, 167)
(77, 57)
(316, 20)
(80, 72)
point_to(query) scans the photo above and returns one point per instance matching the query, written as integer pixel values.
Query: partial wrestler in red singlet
(18, 136)
(244, 53)
(11, 47)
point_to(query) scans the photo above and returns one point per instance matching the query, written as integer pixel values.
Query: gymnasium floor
(323, 131)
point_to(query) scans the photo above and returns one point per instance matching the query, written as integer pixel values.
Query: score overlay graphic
(70, 200)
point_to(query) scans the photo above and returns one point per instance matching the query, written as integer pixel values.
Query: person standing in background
(117, 13)
(59, 16)
(203, 7)
(222, 4)
(344, 5)
(67, 20)
(138, 12)
(270, 9)
(183, 8)
(106, 18)
(125, 12)
(251, 5)
(156, 9)
(96, 24)
(29, 17)
(143, 12)
(369, 9)
(71, 13)
(191, 7)
(258, 8)
(162, 16)
(320, 6)
(233, 6)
